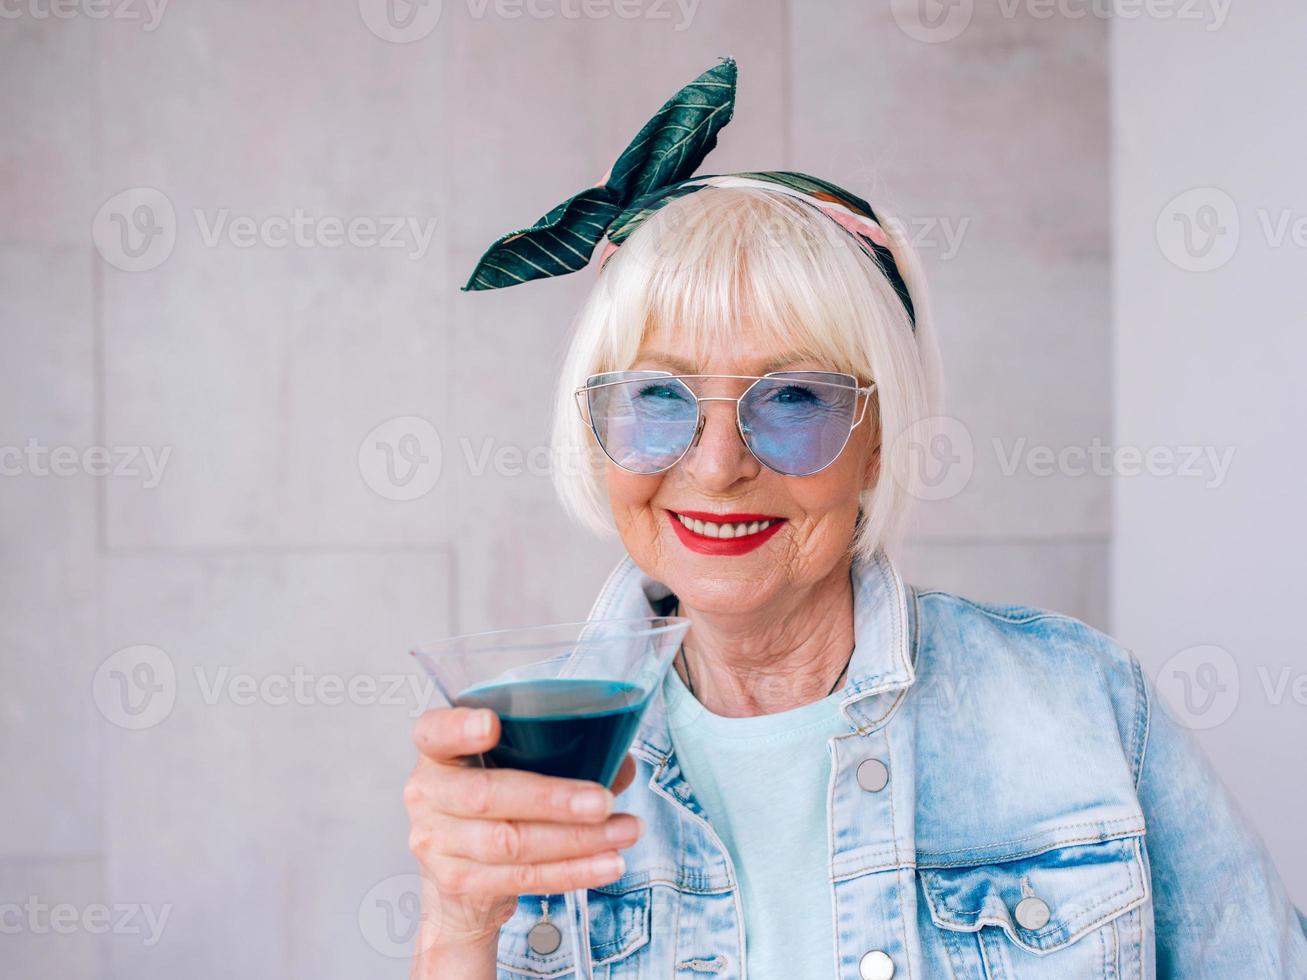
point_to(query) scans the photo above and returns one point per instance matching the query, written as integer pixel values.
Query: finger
(512, 794)
(447, 734)
(625, 775)
(535, 842)
(459, 876)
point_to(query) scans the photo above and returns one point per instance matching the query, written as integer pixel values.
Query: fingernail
(477, 724)
(626, 827)
(590, 803)
(610, 867)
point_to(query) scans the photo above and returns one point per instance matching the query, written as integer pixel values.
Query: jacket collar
(881, 671)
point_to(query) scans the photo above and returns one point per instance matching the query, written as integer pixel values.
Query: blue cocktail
(569, 699)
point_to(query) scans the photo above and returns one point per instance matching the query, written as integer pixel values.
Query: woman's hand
(485, 836)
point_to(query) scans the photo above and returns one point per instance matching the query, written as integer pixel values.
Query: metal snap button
(1032, 913)
(873, 775)
(876, 965)
(544, 938)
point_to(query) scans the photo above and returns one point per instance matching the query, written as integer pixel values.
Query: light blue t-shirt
(763, 782)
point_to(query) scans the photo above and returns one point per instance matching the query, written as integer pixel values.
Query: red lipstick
(705, 545)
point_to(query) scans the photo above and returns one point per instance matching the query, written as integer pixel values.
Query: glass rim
(448, 646)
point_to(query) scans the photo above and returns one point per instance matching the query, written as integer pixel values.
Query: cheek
(834, 492)
(629, 494)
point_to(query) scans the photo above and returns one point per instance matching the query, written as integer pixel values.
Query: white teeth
(710, 530)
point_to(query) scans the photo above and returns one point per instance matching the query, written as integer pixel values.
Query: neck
(785, 655)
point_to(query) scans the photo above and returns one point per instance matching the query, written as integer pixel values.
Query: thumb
(625, 775)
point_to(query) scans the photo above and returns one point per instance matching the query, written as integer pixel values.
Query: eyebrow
(682, 366)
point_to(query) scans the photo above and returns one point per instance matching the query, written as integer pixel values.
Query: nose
(718, 457)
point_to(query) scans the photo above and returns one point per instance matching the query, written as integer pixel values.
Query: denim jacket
(1044, 817)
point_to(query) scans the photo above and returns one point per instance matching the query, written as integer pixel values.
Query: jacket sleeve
(1220, 907)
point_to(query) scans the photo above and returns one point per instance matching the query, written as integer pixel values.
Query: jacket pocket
(619, 929)
(1065, 912)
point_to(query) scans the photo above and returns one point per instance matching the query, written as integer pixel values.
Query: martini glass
(569, 697)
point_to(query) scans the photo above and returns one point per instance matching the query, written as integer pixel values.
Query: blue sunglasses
(793, 422)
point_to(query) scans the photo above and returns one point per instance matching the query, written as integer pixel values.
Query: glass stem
(578, 911)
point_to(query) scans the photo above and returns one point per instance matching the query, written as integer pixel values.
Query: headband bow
(654, 170)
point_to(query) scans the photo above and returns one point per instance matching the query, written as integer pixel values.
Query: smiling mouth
(724, 533)
(725, 526)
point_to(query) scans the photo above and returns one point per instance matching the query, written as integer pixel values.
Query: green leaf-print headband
(654, 170)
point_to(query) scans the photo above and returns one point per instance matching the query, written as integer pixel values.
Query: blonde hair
(705, 262)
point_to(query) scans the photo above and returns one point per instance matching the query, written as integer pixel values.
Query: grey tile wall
(304, 393)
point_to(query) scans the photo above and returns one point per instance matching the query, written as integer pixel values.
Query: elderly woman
(843, 776)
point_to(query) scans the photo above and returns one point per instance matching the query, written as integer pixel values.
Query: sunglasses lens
(644, 421)
(797, 423)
